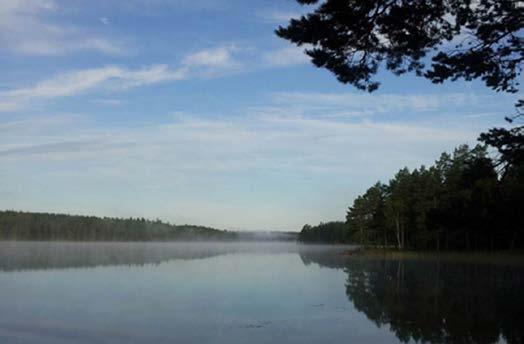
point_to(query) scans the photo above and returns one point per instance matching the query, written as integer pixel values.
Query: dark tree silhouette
(457, 38)
(434, 298)
(433, 301)
(509, 144)
(459, 203)
(18, 225)
(329, 232)
(457, 200)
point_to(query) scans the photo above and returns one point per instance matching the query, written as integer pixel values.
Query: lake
(250, 293)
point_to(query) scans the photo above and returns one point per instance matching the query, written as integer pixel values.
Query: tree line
(325, 232)
(466, 201)
(18, 225)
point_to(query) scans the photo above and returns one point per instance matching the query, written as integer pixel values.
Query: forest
(17, 225)
(325, 232)
(471, 199)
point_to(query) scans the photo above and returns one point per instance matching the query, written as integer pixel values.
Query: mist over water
(256, 292)
(27, 255)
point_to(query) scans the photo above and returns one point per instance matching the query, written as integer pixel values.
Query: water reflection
(15, 256)
(231, 288)
(25, 255)
(435, 300)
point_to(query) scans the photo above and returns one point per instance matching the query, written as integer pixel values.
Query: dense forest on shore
(465, 201)
(17, 225)
(325, 232)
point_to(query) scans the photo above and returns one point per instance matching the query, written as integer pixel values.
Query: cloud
(277, 16)
(237, 164)
(142, 6)
(374, 104)
(215, 61)
(217, 57)
(207, 62)
(63, 147)
(75, 82)
(232, 58)
(66, 84)
(60, 47)
(7, 106)
(150, 75)
(23, 30)
(284, 57)
(108, 101)
(304, 156)
(203, 63)
(275, 144)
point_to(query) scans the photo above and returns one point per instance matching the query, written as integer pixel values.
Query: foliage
(461, 202)
(16, 225)
(329, 232)
(509, 144)
(463, 38)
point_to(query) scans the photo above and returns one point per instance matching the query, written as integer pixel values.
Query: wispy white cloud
(150, 75)
(23, 30)
(203, 63)
(220, 57)
(277, 16)
(234, 58)
(369, 104)
(248, 161)
(483, 114)
(75, 82)
(59, 47)
(66, 84)
(108, 101)
(284, 57)
(321, 149)
(62, 147)
(7, 106)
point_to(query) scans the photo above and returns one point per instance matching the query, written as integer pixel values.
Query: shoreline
(506, 257)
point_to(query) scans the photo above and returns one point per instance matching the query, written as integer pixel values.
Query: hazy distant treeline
(17, 225)
(466, 200)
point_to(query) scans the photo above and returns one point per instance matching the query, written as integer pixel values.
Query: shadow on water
(434, 300)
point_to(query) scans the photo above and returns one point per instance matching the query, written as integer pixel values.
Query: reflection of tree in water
(26, 255)
(57, 255)
(437, 302)
(324, 256)
(432, 300)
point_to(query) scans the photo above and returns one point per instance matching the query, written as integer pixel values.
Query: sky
(194, 111)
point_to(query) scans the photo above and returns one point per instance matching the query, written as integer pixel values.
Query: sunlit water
(249, 293)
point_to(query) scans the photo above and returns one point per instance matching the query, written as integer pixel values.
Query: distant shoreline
(35, 226)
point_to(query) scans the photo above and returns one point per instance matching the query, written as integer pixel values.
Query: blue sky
(195, 112)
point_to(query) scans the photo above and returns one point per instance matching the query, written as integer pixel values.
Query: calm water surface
(249, 293)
